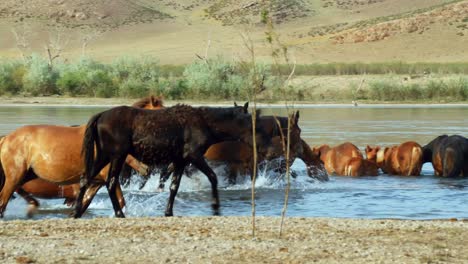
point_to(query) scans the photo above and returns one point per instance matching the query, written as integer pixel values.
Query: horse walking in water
(42, 161)
(238, 156)
(404, 159)
(336, 158)
(448, 154)
(179, 135)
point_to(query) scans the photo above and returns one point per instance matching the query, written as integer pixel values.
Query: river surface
(424, 197)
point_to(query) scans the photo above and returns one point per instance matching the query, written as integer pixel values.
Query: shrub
(39, 79)
(11, 77)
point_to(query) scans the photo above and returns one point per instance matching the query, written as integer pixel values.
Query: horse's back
(53, 152)
(229, 151)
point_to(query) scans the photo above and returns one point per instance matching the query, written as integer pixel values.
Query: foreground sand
(229, 240)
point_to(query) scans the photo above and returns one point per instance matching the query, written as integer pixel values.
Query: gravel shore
(229, 240)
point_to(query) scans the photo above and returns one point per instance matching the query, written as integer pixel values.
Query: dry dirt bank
(228, 240)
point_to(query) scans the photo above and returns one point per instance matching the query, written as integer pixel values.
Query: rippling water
(425, 197)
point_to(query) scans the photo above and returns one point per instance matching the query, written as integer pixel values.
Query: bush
(39, 79)
(11, 77)
(136, 76)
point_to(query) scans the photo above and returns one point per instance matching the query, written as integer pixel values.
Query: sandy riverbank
(228, 240)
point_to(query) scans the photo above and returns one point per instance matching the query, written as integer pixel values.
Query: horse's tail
(415, 161)
(90, 138)
(348, 169)
(2, 172)
(451, 166)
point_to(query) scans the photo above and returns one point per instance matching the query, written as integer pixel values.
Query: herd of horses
(48, 161)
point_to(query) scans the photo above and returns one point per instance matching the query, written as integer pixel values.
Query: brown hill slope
(174, 31)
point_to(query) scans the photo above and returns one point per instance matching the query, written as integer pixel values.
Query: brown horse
(41, 160)
(404, 159)
(179, 135)
(448, 154)
(336, 158)
(357, 166)
(238, 156)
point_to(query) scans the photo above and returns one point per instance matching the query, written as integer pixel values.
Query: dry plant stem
(254, 172)
(253, 96)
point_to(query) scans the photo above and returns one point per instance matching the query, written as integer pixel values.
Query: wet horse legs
(176, 177)
(201, 164)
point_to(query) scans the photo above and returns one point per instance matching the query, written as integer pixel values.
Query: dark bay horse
(448, 154)
(42, 161)
(179, 135)
(238, 156)
(404, 159)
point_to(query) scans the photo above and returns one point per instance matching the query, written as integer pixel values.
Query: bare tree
(57, 42)
(23, 34)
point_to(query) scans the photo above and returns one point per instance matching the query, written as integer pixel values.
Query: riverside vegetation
(217, 78)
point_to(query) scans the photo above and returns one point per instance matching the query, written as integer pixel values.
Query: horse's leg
(33, 203)
(165, 173)
(137, 165)
(201, 164)
(13, 178)
(85, 183)
(112, 182)
(176, 177)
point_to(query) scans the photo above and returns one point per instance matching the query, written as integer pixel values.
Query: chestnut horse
(41, 161)
(448, 154)
(404, 159)
(179, 135)
(357, 166)
(336, 158)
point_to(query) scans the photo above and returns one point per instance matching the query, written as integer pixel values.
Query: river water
(424, 197)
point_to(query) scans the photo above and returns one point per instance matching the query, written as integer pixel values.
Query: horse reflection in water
(45, 161)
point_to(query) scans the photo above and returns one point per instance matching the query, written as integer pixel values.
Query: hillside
(175, 31)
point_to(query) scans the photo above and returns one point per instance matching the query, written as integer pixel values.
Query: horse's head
(228, 123)
(244, 109)
(151, 102)
(321, 151)
(371, 153)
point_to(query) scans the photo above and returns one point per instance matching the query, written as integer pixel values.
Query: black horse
(448, 154)
(179, 135)
(276, 129)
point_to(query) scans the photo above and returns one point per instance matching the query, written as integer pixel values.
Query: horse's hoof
(120, 215)
(168, 214)
(75, 215)
(160, 189)
(32, 209)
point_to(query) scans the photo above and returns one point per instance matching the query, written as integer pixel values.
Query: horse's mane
(153, 100)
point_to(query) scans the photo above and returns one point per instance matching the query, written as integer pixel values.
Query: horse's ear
(296, 116)
(368, 148)
(235, 104)
(246, 107)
